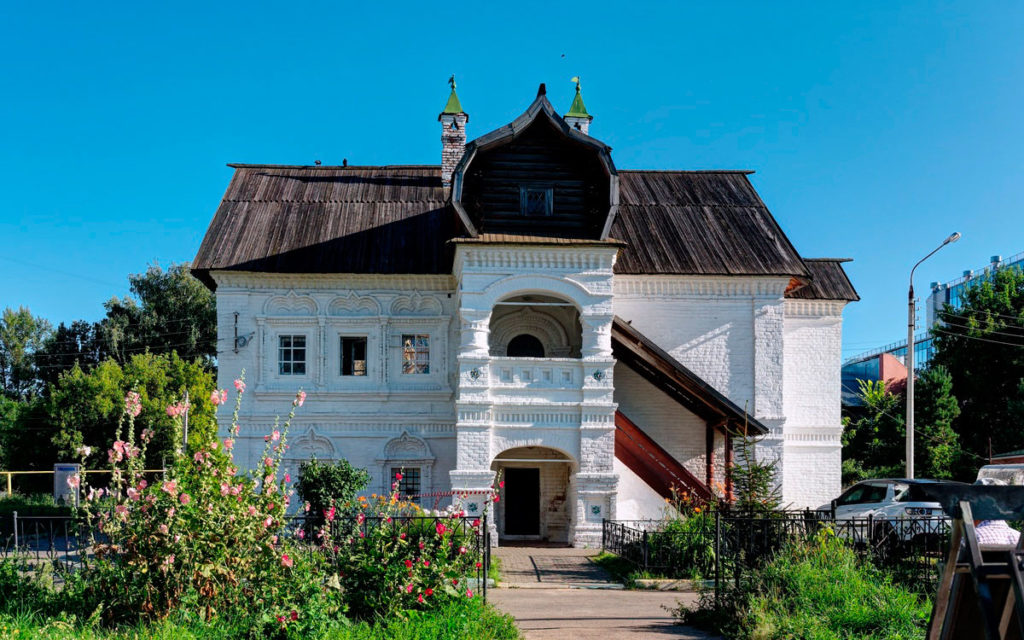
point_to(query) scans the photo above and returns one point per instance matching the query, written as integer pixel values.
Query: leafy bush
(402, 563)
(204, 540)
(462, 619)
(819, 590)
(36, 504)
(323, 485)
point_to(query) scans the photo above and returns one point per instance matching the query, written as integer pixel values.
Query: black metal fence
(63, 542)
(723, 544)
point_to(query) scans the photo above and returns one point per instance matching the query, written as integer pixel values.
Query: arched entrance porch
(537, 501)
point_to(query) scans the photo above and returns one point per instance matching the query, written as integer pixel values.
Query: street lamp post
(912, 313)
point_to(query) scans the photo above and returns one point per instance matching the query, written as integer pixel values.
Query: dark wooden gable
(538, 155)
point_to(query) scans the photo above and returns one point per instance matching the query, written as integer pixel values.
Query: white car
(888, 511)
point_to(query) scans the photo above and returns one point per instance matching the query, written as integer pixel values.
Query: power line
(961, 335)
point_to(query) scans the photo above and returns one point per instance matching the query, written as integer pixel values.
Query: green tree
(981, 345)
(874, 442)
(78, 343)
(85, 406)
(755, 480)
(21, 336)
(168, 311)
(322, 485)
(936, 445)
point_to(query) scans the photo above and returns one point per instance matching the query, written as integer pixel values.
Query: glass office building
(867, 366)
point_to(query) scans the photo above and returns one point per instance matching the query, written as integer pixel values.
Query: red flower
(419, 598)
(408, 564)
(295, 615)
(430, 591)
(398, 476)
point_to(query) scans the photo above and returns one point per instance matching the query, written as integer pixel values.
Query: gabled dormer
(536, 176)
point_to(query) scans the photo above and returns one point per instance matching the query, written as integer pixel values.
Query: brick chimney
(453, 135)
(577, 116)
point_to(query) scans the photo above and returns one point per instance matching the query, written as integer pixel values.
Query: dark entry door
(522, 502)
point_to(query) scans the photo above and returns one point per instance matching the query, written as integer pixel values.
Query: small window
(415, 353)
(409, 485)
(353, 356)
(535, 201)
(524, 346)
(291, 355)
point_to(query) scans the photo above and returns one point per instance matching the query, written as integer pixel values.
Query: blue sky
(875, 129)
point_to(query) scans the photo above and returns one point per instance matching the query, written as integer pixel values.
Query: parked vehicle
(888, 511)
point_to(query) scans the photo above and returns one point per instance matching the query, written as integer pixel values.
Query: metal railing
(725, 544)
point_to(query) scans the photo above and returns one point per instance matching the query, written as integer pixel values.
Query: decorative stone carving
(416, 305)
(406, 451)
(291, 304)
(310, 445)
(542, 326)
(352, 304)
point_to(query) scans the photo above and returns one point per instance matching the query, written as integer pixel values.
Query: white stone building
(595, 335)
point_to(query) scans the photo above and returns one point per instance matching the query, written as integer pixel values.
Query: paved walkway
(559, 594)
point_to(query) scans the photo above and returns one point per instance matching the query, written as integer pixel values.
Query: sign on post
(63, 491)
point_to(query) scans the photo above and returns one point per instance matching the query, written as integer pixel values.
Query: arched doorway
(537, 497)
(525, 346)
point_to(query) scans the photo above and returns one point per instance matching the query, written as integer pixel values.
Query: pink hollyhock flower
(476, 523)
(184, 499)
(164, 529)
(501, 484)
(287, 477)
(74, 481)
(426, 563)
(462, 550)
(285, 560)
(269, 521)
(402, 535)
(239, 386)
(173, 410)
(170, 487)
(225, 488)
(133, 404)
(330, 514)
(218, 397)
(280, 620)
(408, 588)
(229, 444)
(268, 462)
(121, 510)
(84, 451)
(171, 512)
(147, 435)
(441, 529)
(300, 397)
(421, 546)
(252, 510)
(419, 598)
(132, 493)
(305, 507)
(142, 484)
(360, 518)
(276, 435)
(398, 476)
(469, 593)
(302, 534)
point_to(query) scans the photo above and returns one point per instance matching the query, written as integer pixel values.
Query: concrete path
(559, 594)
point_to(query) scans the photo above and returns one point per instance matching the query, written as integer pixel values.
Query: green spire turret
(578, 110)
(453, 105)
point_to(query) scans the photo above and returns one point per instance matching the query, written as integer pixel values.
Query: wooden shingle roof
(288, 219)
(699, 223)
(828, 281)
(397, 219)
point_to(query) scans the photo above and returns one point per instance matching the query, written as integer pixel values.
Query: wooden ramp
(981, 594)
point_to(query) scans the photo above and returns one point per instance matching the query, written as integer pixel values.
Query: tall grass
(815, 591)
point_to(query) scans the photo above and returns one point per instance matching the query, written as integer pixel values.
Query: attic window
(535, 201)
